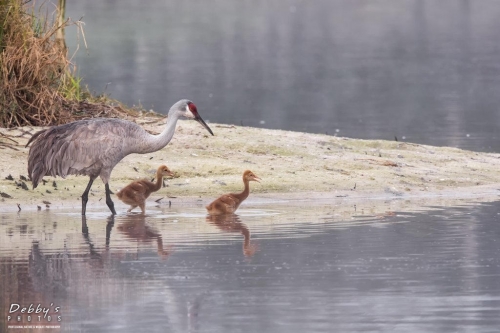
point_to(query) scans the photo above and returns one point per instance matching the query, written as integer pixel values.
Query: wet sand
(293, 166)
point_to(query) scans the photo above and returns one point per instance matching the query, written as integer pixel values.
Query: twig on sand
(8, 144)
(373, 161)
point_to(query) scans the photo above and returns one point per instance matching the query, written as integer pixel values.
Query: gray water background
(424, 71)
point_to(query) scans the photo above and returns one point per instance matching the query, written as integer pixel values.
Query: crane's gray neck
(157, 142)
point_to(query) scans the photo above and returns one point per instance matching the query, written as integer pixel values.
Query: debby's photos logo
(34, 313)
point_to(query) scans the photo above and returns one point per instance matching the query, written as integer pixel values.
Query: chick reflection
(135, 228)
(232, 223)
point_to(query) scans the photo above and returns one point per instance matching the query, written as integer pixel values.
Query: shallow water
(286, 268)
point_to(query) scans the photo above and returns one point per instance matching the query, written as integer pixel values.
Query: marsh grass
(38, 84)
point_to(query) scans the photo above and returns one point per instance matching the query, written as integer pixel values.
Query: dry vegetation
(38, 85)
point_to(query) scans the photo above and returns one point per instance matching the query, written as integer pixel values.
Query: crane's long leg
(109, 202)
(85, 195)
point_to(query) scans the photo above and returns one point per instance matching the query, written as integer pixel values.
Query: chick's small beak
(256, 179)
(201, 121)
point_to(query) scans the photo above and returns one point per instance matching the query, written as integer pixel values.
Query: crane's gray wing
(82, 147)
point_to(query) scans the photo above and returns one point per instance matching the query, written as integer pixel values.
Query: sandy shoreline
(294, 166)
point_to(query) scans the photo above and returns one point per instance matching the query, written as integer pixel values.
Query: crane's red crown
(192, 108)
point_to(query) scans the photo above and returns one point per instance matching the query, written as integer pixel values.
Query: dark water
(270, 269)
(424, 71)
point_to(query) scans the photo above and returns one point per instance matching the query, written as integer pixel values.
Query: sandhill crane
(229, 203)
(93, 147)
(136, 193)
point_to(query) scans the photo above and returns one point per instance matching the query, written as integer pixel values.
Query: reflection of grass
(38, 85)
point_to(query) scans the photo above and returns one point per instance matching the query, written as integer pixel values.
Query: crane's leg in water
(85, 195)
(109, 202)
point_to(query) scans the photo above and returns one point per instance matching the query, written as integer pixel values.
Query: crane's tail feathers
(36, 158)
(34, 136)
(48, 153)
(36, 175)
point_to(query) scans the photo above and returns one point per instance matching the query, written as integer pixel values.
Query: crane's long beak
(257, 179)
(201, 121)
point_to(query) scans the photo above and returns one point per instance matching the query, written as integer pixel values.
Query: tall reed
(38, 85)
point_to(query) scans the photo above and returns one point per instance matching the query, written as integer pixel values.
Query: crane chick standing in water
(93, 147)
(136, 193)
(229, 203)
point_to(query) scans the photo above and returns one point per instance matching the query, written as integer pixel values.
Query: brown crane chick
(136, 193)
(229, 203)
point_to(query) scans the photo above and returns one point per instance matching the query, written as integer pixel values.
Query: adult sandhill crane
(93, 147)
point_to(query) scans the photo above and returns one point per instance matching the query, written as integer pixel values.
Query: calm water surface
(424, 71)
(269, 269)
